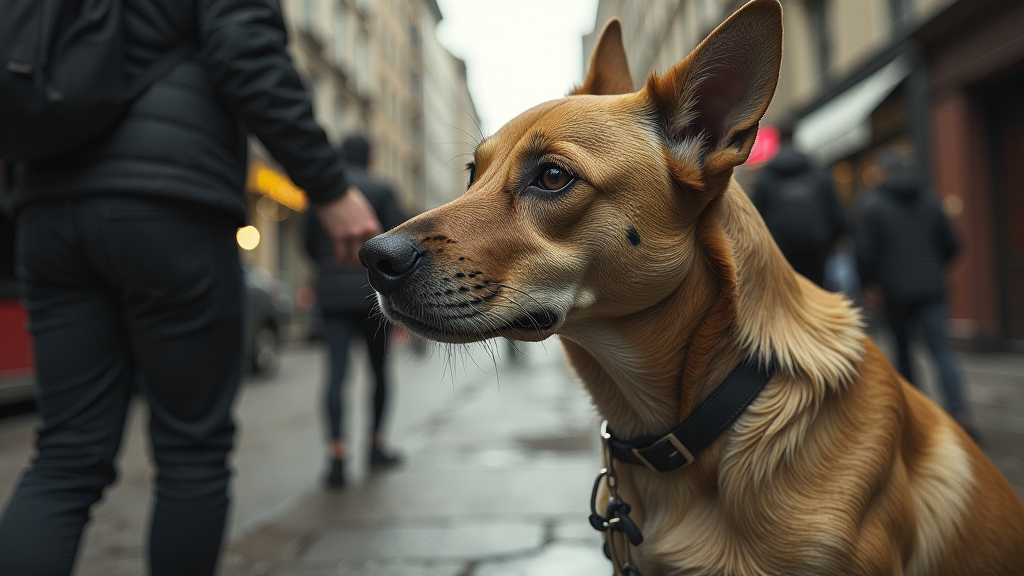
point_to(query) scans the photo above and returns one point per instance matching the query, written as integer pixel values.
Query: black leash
(668, 453)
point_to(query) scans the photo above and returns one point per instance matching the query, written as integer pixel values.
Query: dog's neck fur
(647, 371)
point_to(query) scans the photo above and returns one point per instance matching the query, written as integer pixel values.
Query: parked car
(17, 369)
(270, 310)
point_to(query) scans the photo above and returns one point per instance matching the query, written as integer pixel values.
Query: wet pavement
(995, 392)
(499, 460)
(495, 482)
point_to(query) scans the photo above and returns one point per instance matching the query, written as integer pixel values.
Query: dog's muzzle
(389, 260)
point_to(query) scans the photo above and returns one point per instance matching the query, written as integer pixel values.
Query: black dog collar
(682, 444)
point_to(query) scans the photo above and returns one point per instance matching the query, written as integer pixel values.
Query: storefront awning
(843, 125)
(269, 182)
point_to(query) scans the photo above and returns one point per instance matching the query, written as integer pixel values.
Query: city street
(662, 165)
(499, 462)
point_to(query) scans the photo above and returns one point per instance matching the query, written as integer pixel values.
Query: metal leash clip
(615, 520)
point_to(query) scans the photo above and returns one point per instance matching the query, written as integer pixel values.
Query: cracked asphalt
(499, 461)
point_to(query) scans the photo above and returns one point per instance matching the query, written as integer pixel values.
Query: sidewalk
(496, 482)
(499, 465)
(995, 390)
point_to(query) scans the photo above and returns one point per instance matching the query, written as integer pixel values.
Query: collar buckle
(658, 450)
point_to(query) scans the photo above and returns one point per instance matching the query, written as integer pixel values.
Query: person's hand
(349, 222)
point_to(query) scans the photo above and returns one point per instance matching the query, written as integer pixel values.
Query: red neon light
(766, 146)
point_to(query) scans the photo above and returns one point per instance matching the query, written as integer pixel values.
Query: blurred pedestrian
(903, 242)
(346, 301)
(800, 207)
(130, 271)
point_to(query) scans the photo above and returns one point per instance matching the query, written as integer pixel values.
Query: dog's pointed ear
(711, 102)
(609, 69)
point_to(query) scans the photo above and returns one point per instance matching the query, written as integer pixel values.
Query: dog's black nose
(389, 258)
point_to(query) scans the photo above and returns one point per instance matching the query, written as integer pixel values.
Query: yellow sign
(270, 182)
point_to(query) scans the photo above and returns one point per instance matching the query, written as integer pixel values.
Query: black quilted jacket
(904, 240)
(185, 137)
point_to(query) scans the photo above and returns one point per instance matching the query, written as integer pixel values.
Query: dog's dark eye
(553, 178)
(472, 174)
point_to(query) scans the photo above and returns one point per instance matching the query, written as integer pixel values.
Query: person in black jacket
(129, 269)
(903, 242)
(800, 207)
(346, 301)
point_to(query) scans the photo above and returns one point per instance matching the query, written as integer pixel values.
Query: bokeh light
(248, 237)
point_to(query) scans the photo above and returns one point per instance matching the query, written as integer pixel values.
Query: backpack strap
(158, 69)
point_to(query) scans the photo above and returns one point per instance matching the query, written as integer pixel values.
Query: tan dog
(610, 218)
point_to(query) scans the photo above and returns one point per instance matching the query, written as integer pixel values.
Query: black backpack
(797, 214)
(63, 81)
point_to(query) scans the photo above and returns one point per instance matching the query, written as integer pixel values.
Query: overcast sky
(518, 53)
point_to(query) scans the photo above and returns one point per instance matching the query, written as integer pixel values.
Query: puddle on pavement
(575, 443)
(434, 540)
(525, 449)
(500, 457)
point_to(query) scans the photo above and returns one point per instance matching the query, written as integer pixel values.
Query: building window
(898, 11)
(822, 36)
(363, 62)
(415, 38)
(417, 131)
(339, 34)
(416, 83)
(339, 117)
(310, 15)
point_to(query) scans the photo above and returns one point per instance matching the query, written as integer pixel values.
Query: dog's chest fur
(805, 482)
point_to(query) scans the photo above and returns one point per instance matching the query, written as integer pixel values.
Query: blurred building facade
(451, 128)
(942, 81)
(375, 67)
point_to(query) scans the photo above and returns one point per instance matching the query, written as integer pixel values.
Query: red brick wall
(960, 167)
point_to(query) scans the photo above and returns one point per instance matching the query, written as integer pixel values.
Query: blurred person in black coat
(903, 243)
(800, 207)
(129, 268)
(346, 301)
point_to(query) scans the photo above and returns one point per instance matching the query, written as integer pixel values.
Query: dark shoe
(336, 476)
(381, 460)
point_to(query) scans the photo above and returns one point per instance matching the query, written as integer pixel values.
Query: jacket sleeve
(243, 46)
(867, 245)
(310, 233)
(835, 209)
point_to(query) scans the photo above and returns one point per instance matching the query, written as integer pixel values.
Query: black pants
(339, 328)
(127, 294)
(931, 315)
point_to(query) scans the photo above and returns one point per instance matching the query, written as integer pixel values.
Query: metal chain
(621, 529)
